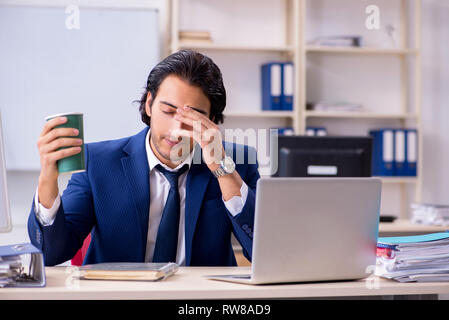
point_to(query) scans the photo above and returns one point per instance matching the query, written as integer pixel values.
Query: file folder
(316, 131)
(383, 152)
(271, 86)
(286, 131)
(287, 86)
(21, 265)
(411, 150)
(399, 153)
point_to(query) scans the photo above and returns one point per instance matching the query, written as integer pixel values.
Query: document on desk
(128, 271)
(21, 265)
(422, 258)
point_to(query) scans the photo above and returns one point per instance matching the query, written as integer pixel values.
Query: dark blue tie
(167, 234)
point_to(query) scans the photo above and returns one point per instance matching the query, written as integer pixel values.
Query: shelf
(360, 115)
(398, 180)
(261, 114)
(226, 47)
(361, 50)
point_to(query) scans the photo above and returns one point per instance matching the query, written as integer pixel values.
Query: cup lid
(63, 114)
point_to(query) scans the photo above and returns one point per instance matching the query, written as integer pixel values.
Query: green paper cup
(76, 162)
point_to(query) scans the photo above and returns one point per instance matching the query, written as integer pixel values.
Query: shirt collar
(153, 161)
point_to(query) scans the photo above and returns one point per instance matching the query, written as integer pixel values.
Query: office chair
(78, 258)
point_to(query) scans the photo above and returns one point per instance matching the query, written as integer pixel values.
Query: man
(144, 198)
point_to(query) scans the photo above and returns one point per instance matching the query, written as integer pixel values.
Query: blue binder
(287, 86)
(411, 152)
(316, 131)
(399, 152)
(383, 152)
(271, 85)
(34, 275)
(286, 131)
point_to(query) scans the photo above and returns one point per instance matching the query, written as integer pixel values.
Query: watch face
(228, 164)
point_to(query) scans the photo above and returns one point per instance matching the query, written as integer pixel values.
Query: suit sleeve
(243, 223)
(74, 220)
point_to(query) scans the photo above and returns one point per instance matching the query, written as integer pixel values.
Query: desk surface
(406, 227)
(190, 283)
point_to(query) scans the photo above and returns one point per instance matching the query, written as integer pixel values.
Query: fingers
(60, 143)
(203, 137)
(50, 124)
(188, 113)
(57, 143)
(50, 158)
(195, 124)
(57, 133)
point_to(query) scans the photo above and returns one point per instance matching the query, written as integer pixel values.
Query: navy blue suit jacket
(111, 200)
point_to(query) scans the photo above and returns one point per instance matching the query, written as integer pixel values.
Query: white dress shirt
(159, 189)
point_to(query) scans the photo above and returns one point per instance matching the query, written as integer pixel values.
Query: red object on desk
(78, 258)
(385, 252)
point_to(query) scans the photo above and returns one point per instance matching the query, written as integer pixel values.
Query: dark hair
(195, 68)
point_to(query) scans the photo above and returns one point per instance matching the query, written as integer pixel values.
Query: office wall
(78, 58)
(436, 101)
(435, 116)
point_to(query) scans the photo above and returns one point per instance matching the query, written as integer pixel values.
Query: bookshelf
(295, 19)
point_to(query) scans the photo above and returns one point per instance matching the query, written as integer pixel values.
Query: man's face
(173, 93)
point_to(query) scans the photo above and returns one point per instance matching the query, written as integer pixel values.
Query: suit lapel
(196, 185)
(135, 167)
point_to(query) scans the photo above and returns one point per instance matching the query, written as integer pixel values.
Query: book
(128, 271)
(195, 37)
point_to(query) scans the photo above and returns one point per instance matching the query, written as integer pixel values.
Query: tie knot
(172, 176)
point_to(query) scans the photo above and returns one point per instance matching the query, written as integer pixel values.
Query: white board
(47, 68)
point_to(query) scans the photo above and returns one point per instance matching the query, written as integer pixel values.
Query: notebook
(128, 271)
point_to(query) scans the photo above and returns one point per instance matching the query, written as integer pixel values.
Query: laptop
(313, 229)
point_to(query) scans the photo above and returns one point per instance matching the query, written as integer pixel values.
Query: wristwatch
(227, 166)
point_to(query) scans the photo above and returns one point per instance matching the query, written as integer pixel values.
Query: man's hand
(205, 132)
(49, 143)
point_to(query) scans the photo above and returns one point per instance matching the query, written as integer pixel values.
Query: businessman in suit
(168, 193)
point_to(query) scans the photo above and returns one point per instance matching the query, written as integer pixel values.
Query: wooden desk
(189, 283)
(402, 227)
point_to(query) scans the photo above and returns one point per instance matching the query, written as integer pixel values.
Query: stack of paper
(423, 258)
(338, 41)
(10, 269)
(21, 265)
(430, 214)
(337, 106)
